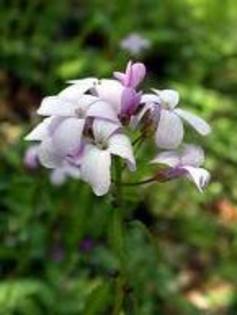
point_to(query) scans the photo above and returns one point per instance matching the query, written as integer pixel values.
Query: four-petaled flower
(162, 107)
(96, 160)
(185, 162)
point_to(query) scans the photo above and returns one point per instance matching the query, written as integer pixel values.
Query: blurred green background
(55, 256)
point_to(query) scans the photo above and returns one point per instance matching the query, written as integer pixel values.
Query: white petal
(101, 109)
(111, 92)
(169, 133)
(67, 137)
(192, 155)
(150, 98)
(196, 122)
(169, 98)
(40, 131)
(85, 101)
(95, 169)
(73, 92)
(48, 157)
(57, 177)
(120, 145)
(103, 129)
(54, 105)
(170, 158)
(72, 171)
(199, 176)
(84, 82)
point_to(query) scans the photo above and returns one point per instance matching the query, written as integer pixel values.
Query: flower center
(102, 145)
(79, 113)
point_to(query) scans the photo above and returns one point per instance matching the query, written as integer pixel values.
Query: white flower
(96, 160)
(61, 133)
(162, 105)
(186, 162)
(135, 43)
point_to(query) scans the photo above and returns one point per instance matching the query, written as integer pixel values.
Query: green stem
(143, 182)
(119, 295)
(117, 182)
(117, 237)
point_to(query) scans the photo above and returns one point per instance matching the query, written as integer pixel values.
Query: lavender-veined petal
(95, 169)
(169, 133)
(80, 87)
(102, 109)
(103, 129)
(110, 91)
(120, 145)
(67, 137)
(48, 157)
(192, 155)
(200, 125)
(170, 158)
(199, 176)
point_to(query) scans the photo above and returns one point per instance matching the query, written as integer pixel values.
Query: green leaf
(98, 300)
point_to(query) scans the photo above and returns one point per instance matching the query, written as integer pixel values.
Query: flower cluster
(88, 123)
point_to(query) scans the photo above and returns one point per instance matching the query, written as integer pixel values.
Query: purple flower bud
(31, 157)
(86, 245)
(130, 102)
(133, 75)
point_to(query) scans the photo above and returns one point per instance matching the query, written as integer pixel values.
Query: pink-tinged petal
(138, 72)
(170, 158)
(103, 129)
(102, 109)
(196, 122)
(169, 133)
(199, 176)
(130, 101)
(48, 157)
(67, 137)
(75, 91)
(150, 98)
(133, 75)
(120, 145)
(110, 91)
(31, 160)
(192, 155)
(95, 169)
(40, 131)
(54, 105)
(169, 98)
